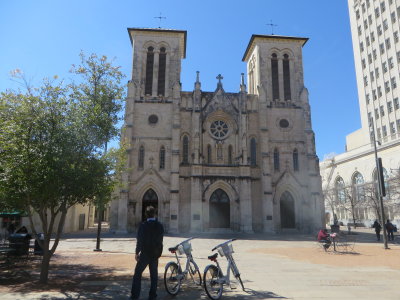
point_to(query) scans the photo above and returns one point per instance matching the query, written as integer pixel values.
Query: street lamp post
(380, 187)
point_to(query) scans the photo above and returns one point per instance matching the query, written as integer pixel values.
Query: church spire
(197, 84)
(242, 85)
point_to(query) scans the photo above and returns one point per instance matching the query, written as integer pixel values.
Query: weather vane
(160, 18)
(272, 27)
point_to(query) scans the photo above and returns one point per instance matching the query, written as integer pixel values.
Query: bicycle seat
(173, 249)
(213, 257)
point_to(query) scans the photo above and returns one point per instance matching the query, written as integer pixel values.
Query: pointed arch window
(209, 158)
(253, 152)
(230, 155)
(340, 190)
(286, 77)
(141, 157)
(358, 187)
(295, 160)
(276, 160)
(149, 71)
(275, 76)
(162, 158)
(162, 62)
(185, 150)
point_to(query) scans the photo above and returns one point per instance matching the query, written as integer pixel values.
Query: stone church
(219, 161)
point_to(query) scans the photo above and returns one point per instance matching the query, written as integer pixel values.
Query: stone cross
(272, 27)
(219, 77)
(159, 20)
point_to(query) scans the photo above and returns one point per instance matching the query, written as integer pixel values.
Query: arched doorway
(220, 215)
(288, 218)
(149, 198)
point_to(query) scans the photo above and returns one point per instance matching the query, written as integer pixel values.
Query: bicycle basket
(221, 251)
(180, 250)
(187, 248)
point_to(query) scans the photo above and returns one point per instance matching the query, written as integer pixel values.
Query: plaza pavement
(265, 276)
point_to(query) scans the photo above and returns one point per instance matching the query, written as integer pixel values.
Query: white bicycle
(174, 275)
(213, 277)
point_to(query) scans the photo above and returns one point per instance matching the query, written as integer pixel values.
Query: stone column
(122, 213)
(246, 219)
(196, 209)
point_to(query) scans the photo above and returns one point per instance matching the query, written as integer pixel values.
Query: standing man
(148, 249)
(390, 229)
(378, 228)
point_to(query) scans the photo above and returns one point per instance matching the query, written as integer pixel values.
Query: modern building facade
(219, 161)
(375, 34)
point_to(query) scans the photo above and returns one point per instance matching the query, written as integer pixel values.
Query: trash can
(38, 250)
(19, 242)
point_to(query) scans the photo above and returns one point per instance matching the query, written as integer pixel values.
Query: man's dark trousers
(141, 265)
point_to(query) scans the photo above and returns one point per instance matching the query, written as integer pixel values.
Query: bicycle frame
(189, 259)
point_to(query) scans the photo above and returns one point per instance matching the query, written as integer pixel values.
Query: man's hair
(150, 212)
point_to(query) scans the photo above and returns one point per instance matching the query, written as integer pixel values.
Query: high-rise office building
(347, 177)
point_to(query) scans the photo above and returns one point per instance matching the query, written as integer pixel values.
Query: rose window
(219, 129)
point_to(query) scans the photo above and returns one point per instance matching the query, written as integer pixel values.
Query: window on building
(230, 155)
(374, 54)
(384, 131)
(372, 37)
(367, 98)
(358, 187)
(379, 29)
(381, 48)
(253, 152)
(185, 149)
(286, 77)
(379, 92)
(393, 17)
(363, 63)
(162, 158)
(141, 157)
(359, 30)
(368, 4)
(393, 82)
(377, 12)
(209, 154)
(384, 67)
(387, 43)
(398, 125)
(369, 19)
(377, 73)
(396, 103)
(275, 76)
(374, 94)
(382, 110)
(371, 75)
(389, 107)
(379, 133)
(387, 87)
(149, 71)
(295, 160)
(396, 37)
(385, 25)
(398, 56)
(276, 160)
(368, 41)
(392, 128)
(370, 58)
(340, 190)
(365, 80)
(376, 113)
(362, 47)
(390, 63)
(357, 14)
(369, 118)
(161, 72)
(365, 24)
(383, 6)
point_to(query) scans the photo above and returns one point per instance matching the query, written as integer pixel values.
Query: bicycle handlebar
(187, 240)
(220, 245)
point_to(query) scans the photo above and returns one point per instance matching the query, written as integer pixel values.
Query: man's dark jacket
(150, 239)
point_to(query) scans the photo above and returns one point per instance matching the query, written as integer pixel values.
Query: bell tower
(156, 68)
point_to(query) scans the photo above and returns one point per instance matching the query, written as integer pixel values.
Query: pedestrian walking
(389, 229)
(378, 229)
(148, 249)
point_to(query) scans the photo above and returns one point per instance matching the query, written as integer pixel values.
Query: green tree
(100, 90)
(50, 158)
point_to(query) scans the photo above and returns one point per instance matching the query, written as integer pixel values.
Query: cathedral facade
(219, 161)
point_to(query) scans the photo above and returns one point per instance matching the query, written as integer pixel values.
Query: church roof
(162, 30)
(250, 46)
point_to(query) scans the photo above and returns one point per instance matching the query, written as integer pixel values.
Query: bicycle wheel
(172, 282)
(211, 283)
(194, 273)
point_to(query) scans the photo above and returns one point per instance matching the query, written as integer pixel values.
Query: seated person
(323, 237)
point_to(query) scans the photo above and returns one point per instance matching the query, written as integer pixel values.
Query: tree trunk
(44, 268)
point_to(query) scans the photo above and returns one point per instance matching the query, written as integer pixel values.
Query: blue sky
(44, 37)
